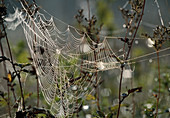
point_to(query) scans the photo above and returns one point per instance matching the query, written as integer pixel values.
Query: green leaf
(27, 95)
(90, 97)
(3, 102)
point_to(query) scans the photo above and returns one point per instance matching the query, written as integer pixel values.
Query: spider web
(66, 62)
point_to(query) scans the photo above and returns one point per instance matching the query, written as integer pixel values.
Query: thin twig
(4, 63)
(19, 77)
(96, 85)
(13, 92)
(159, 78)
(127, 56)
(36, 74)
(120, 87)
(37, 91)
(95, 55)
(5, 70)
(133, 100)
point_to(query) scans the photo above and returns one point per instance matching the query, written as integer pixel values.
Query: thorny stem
(159, 78)
(127, 56)
(19, 77)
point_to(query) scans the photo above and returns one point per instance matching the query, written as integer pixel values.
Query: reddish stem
(120, 87)
(159, 78)
(130, 47)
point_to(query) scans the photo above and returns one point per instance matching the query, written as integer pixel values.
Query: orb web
(65, 61)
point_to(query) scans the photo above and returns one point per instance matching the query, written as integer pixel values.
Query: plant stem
(136, 30)
(159, 78)
(10, 53)
(120, 87)
(4, 63)
(12, 89)
(37, 91)
(97, 85)
(97, 96)
(133, 101)
(5, 70)
(95, 56)
(127, 56)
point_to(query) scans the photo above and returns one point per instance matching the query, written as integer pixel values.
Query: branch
(32, 112)
(127, 56)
